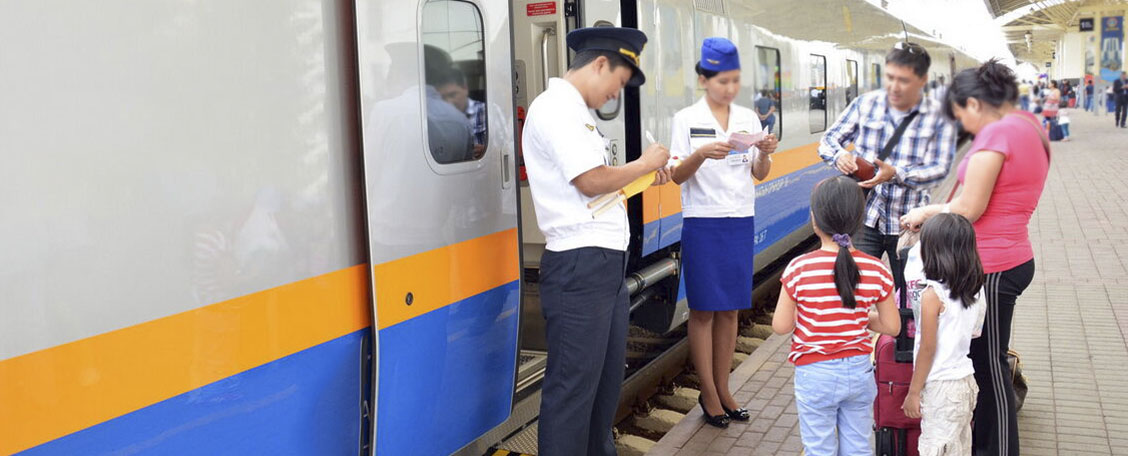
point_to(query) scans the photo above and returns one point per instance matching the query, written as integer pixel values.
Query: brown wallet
(865, 171)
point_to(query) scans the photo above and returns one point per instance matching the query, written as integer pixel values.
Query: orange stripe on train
(437, 278)
(60, 390)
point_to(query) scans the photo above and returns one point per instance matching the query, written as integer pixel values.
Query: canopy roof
(1034, 27)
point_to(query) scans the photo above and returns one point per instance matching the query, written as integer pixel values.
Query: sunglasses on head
(913, 48)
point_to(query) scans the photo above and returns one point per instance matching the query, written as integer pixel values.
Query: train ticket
(743, 141)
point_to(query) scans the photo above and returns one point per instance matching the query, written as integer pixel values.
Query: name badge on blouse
(737, 158)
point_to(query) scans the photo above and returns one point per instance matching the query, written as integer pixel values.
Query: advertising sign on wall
(1112, 44)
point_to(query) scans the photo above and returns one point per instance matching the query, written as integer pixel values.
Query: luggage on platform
(894, 433)
(1055, 130)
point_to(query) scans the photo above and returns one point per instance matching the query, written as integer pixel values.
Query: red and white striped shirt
(824, 328)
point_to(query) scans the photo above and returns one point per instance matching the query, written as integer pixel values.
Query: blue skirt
(717, 254)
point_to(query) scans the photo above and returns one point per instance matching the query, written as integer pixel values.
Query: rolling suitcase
(894, 433)
(1055, 130)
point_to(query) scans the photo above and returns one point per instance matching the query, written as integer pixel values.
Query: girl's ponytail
(846, 274)
(838, 207)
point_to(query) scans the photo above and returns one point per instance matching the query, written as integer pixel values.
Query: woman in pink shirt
(1003, 176)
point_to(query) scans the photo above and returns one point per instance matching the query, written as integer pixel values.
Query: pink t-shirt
(1000, 232)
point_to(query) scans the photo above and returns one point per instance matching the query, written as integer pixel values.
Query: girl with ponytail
(829, 298)
(1002, 177)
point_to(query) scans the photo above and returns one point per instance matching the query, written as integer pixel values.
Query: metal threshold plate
(531, 362)
(524, 442)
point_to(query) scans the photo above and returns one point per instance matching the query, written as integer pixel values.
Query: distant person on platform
(765, 109)
(1120, 90)
(1024, 95)
(941, 90)
(912, 164)
(1089, 106)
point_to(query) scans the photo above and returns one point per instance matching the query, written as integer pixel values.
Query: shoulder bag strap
(1041, 135)
(885, 152)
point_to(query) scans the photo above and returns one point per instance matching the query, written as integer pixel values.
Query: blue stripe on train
(305, 403)
(661, 233)
(446, 377)
(782, 206)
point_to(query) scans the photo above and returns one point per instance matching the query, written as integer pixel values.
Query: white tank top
(955, 329)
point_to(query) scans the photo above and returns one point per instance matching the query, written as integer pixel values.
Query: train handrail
(549, 31)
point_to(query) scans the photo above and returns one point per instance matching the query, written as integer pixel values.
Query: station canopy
(850, 24)
(1034, 27)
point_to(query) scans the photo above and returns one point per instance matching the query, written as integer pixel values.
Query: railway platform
(1070, 326)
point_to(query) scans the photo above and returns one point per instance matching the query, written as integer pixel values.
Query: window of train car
(454, 65)
(769, 90)
(875, 76)
(817, 91)
(851, 81)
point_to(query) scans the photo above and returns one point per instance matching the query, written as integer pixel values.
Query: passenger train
(243, 227)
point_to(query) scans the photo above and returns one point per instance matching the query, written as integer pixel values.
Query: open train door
(540, 52)
(436, 110)
(610, 118)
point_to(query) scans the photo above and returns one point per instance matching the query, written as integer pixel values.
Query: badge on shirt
(590, 127)
(736, 158)
(702, 133)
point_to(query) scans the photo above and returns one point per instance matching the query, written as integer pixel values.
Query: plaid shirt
(922, 158)
(476, 114)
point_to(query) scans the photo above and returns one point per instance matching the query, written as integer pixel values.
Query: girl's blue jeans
(835, 402)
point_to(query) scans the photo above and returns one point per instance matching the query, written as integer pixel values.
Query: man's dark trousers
(874, 243)
(585, 302)
(1121, 110)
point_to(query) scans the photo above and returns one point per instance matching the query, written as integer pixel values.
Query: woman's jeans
(835, 402)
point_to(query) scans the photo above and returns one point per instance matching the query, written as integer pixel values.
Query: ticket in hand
(743, 141)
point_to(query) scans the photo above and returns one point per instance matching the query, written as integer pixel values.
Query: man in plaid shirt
(918, 162)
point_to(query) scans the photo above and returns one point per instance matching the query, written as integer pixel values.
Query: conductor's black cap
(627, 42)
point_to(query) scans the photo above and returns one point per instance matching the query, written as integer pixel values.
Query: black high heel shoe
(721, 421)
(738, 414)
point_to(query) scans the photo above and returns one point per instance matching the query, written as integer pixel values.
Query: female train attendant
(1003, 176)
(718, 199)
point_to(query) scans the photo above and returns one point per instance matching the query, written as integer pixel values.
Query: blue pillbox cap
(719, 54)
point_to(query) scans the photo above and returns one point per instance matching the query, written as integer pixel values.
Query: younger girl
(1063, 122)
(943, 391)
(826, 298)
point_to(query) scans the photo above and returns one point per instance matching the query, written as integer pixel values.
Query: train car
(302, 227)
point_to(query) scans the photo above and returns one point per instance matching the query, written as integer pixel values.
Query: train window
(875, 76)
(817, 92)
(851, 81)
(454, 66)
(769, 91)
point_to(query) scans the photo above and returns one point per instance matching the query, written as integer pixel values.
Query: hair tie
(841, 239)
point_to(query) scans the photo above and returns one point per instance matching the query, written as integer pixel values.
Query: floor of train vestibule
(1070, 325)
